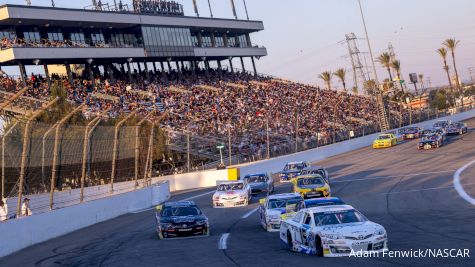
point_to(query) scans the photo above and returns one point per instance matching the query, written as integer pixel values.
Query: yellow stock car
(311, 186)
(385, 140)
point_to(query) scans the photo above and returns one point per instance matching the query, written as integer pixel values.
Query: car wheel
(318, 247)
(290, 243)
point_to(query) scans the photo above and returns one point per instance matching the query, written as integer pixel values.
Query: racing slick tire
(318, 247)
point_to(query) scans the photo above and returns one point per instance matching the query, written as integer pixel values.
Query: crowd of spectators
(218, 103)
(7, 43)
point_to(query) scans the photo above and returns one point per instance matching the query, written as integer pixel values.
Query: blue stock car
(292, 170)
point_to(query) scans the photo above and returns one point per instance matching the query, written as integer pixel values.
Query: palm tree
(443, 54)
(341, 74)
(451, 44)
(396, 65)
(326, 76)
(385, 60)
(370, 87)
(354, 89)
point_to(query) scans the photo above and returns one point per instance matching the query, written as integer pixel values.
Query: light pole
(221, 147)
(369, 44)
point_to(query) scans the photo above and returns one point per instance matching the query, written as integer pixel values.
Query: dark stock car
(260, 182)
(181, 219)
(410, 133)
(457, 128)
(429, 141)
(292, 170)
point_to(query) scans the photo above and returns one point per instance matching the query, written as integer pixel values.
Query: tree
(370, 87)
(396, 66)
(451, 44)
(341, 74)
(326, 76)
(443, 54)
(354, 89)
(385, 60)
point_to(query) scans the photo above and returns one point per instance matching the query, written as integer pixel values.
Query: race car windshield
(230, 187)
(440, 124)
(350, 216)
(321, 204)
(256, 179)
(320, 172)
(293, 167)
(282, 203)
(384, 137)
(310, 181)
(180, 211)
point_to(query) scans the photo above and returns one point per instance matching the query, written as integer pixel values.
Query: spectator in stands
(3, 210)
(25, 208)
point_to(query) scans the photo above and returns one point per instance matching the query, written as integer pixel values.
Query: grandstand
(169, 65)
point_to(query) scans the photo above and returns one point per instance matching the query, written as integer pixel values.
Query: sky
(306, 37)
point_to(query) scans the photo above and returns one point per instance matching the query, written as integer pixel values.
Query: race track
(410, 192)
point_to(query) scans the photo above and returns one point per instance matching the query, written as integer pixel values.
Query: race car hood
(427, 141)
(278, 212)
(181, 220)
(258, 185)
(353, 230)
(311, 186)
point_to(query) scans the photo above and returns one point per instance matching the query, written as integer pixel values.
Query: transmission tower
(359, 75)
(28, 2)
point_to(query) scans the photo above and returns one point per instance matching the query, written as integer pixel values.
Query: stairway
(382, 114)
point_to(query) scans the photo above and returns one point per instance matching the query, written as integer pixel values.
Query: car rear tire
(318, 247)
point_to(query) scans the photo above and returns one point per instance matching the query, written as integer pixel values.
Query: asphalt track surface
(409, 192)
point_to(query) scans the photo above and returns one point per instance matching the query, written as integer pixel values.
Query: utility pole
(210, 10)
(245, 8)
(196, 8)
(471, 70)
(383, 117)
(234, 9)
(356, 62)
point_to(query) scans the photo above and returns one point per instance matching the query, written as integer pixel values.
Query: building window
(77, 38)
(97, 39)
(206, 39)
(123, 40)
(231, 41)
(32, 37)
(219, 39)
(55, 36)
(6, 34)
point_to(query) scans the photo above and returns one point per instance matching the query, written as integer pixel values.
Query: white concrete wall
(21, 233)
(194, 180)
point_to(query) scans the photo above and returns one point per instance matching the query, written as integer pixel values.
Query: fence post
(3, 156)
(137, 150)
(55, 152)
(149, 160)
(85, 148)
(43, 154)
(188, 163)
(13, 98)
(230, 148)
(115, 148)
(26, 141)
(296, 134)
(267, 138)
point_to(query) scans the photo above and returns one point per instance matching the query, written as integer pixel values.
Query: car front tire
(290, 243)
(318, 247)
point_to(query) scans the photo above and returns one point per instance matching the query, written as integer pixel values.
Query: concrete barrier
(194, 179)
(21, 233)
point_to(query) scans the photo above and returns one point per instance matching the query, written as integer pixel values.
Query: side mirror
(262, 201)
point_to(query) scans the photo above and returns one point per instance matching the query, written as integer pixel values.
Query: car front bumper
(200, 230)
(350, 247)
(229, 203)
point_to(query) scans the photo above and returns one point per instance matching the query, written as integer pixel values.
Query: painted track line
(458, 186)
(388, 177)
(223, 242)
(245, 216)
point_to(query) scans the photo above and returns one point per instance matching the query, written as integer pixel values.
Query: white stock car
(332, 231)
(273, 207)
(232, 194)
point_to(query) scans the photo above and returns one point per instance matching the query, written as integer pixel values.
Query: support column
(154, 67)
(129, 70)
(110, 72)
(219, 68)
(213, 40)
(242, 64)
(254, 67)
(48, 80)
(70, 74)
(164, 75)
(147, 74)
(22, 72)
(231, 65)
